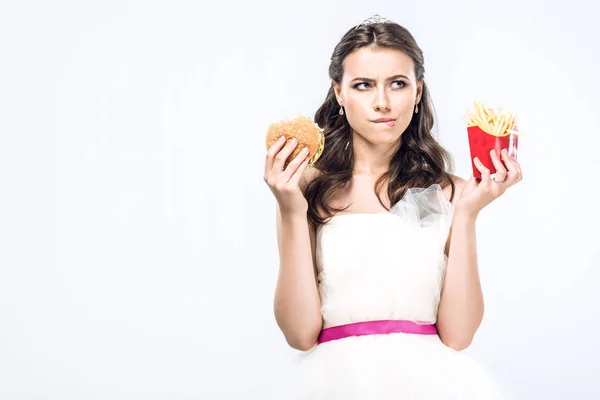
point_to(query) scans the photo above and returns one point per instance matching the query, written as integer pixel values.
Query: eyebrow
(373, 80)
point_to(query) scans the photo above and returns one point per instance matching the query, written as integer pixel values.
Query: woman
(378, 280)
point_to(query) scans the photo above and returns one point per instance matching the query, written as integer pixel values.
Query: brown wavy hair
(420, 161)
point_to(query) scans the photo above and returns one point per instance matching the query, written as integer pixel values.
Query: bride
(378, 283)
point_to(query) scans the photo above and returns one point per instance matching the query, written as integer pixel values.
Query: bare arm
(297, 304)
(461, 306)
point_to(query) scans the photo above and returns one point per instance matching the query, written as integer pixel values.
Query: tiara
(375, 19)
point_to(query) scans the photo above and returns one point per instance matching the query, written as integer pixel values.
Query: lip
(383, 120)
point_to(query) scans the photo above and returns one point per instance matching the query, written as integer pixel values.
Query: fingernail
(294, 140)
(477, 160)
(282, 138)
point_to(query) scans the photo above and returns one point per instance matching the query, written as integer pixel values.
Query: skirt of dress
(394, 366)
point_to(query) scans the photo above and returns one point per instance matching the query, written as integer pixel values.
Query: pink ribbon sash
(375, 328)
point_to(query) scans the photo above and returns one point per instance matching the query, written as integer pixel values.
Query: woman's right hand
(284, 183)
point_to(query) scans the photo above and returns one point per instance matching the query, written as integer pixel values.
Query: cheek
(356, 111)
(406, 108)
(406, 101)
(354, 104)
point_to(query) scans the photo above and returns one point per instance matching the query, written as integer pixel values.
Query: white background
(138, 255)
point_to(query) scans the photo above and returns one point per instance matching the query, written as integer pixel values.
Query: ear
(338, 92)
(419, 90)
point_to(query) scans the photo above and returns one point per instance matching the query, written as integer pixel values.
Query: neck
(372, 159)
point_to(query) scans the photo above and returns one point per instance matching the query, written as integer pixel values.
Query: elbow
(459, 336)
(301, 344)
(299, 333)
(305, 339)
(455, 340)
(458, 344)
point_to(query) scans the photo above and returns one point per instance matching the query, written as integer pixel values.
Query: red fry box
(481, 143)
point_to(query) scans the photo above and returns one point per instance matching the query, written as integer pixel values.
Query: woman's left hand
(479, 193)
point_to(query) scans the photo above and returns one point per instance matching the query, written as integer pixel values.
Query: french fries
(497, 123)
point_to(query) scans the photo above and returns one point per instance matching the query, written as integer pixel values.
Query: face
(379, 92)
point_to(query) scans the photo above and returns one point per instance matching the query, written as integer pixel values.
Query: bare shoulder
(459, 185)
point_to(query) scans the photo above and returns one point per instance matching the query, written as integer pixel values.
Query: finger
(271, 153)
(295, 179)
(282, 156)
(471, 185)
(514, 169)
(514, 161)
(472, 182)
(294, 164)
(501, 171)
(485, 173)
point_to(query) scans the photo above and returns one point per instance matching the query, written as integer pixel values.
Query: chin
(385, 141)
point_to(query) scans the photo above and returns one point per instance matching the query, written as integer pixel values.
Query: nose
(381, 101)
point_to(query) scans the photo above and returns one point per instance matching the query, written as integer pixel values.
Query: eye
(401, 84)
(360, 86)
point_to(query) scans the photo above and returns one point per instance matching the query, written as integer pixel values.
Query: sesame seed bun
(308, 133)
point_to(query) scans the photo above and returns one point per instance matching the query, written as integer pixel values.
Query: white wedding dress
(385, 266)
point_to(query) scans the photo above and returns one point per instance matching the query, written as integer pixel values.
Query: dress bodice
(388, 265)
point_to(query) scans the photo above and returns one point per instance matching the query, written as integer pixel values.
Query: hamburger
(307, 132)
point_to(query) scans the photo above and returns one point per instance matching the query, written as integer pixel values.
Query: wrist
(465, 216)
(293, 215)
